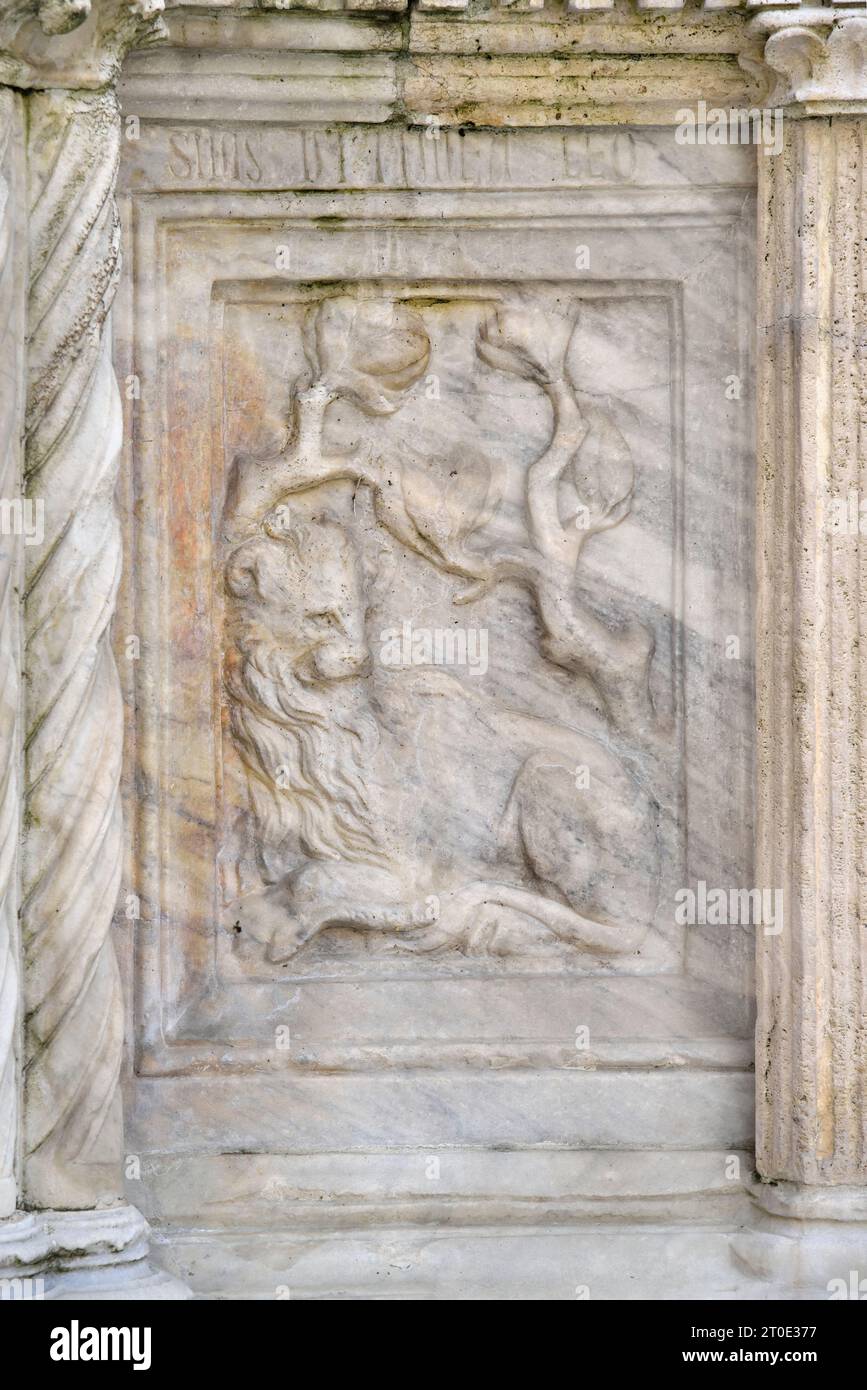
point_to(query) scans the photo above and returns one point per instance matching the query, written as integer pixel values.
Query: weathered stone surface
(71, 44)
(13, 290)
(466, 482)
(366, 864)
(433, 455)
(497, 67)
(812, 1028)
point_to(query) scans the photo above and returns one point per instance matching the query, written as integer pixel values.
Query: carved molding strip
(531, 8)
(485, 67)
(72, 839)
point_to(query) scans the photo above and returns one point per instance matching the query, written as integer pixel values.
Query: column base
(810, 1240)
(89, 1255)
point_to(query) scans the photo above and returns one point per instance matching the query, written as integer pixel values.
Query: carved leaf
(448, 498)
(602, 473)
(368, 351)
(526, 342)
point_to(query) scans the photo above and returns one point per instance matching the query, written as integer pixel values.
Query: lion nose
(355, 657)
(336, 660)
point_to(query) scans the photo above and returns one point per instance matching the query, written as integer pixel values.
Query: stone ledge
(627, 1261)
(482, 1187)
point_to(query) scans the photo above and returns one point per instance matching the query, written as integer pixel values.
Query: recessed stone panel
(438, 582)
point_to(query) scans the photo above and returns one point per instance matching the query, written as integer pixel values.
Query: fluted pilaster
(811, 1056)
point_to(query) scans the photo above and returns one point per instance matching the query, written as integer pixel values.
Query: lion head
(297, 697)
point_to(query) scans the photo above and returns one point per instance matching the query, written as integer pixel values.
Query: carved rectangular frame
(173, 1003)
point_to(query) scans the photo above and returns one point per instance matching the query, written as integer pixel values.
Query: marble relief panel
(449, 703)
(434, 569)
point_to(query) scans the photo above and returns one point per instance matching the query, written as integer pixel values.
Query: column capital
(811, 60)
(72, 43)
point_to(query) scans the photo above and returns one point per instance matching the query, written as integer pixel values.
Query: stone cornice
(72, 43)
(475, 66)
(489, 67)
(533, 10)
(494, 63)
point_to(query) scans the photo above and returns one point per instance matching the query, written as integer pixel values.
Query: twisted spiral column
(11, 336)
(73, 736)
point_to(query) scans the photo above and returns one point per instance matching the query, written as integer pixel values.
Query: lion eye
(327, 617)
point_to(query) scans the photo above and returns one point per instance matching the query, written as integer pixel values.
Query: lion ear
(242, 573)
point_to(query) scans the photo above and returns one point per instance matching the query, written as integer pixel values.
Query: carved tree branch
(343, 338)
(618, 662)
(259, 484)
(72, 840)
(549, 535)
(524, 343)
